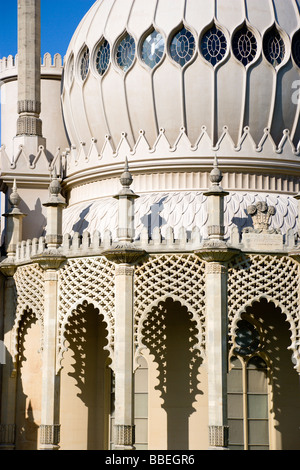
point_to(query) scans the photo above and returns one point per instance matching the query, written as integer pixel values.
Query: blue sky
(59, 20)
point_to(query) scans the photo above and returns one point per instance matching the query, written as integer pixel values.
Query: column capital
(124, 253)
(216, 251)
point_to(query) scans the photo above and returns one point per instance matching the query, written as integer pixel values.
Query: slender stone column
(216, 253)
(29, 125)
(216, 350)
(29, 67)
(9, 377)
(49, 429)
(125, 255)
(124, 414)
(13, 235)
(50, 260)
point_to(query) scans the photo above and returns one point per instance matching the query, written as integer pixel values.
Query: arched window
(84, 63)
(102, 57)
(213, 45)
(247, 393)
(274, 48)
(244, 45)
(125, 52)
(182, 47)
(153, 49)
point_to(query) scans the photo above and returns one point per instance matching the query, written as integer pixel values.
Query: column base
(49, 436)
(124, 437)
(123, 448)
(49, 447)
(218, 437)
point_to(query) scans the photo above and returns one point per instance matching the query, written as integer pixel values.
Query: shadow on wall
(285, 379)
(28, 405)
(34, 223)
(154, 219)
(82, 224)
(170, 335)
(86, 335)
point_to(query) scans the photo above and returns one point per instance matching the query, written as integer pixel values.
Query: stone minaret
(29, 124)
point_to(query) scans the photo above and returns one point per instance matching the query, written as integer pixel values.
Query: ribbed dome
(173, 64)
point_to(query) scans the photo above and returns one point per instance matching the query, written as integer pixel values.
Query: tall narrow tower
(29, 124)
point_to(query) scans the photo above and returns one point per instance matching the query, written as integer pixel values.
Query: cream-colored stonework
(149, 286)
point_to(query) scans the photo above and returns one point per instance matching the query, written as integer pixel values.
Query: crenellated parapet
(50, 66)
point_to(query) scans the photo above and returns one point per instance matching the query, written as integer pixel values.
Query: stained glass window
(103, 57)
(296, 48)
(213, 45)
(182, 47)
(125, 52)
(273, 46)
(153, 49)
(244, 45)
(84, 63)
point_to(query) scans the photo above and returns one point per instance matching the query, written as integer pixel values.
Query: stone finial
(55, 197)
(261, 214)
(126, 177)
(126, 180)
(216, 174)
(216, 177)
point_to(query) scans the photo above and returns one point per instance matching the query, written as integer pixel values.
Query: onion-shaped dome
(135, 66)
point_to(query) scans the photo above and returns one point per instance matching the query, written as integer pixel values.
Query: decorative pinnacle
(14, 197)
(54, 191)
(126, 180)
(126, 177)
(216, 174)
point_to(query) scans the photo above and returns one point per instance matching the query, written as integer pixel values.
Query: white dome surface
(255, 90)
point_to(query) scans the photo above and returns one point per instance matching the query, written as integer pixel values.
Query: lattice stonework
(274, 278)
(180, 277)
(29, 281)
(84, 280)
